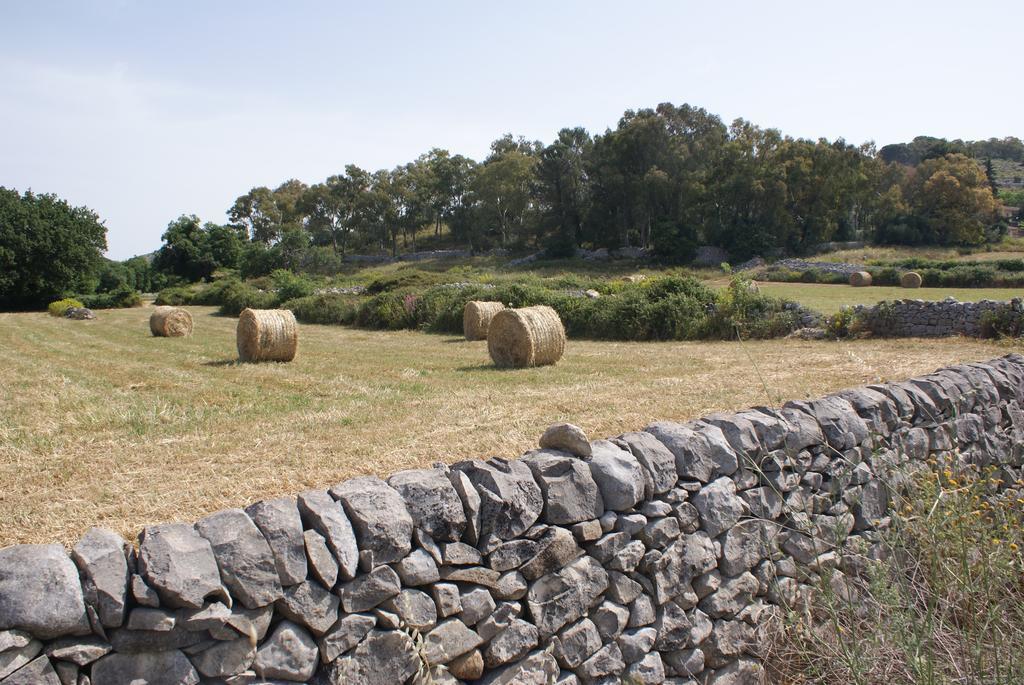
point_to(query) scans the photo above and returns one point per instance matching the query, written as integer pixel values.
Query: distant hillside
(1007, 155)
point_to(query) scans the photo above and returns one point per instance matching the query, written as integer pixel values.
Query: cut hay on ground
(860, 279)
(170, 322)
(532, 336)
(199, 435)
(476, 318)
(911, 279)
(267, 335)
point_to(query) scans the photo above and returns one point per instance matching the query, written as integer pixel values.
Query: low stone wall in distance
(658, 556)
(919, 318)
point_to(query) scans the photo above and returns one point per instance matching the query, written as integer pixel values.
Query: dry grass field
(102, 424)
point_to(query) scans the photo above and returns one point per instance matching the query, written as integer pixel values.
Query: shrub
(121, 297)
(175, 297)
(742, 311)
(939, 598)
(385, 310)
(842, 324)
(658, 288)
(884, 276)
(410, 278)
(59, 307)
(440, 308)
(1005, 322)
(291, 286)
(323, 309)
(213, 295)
(235, 296)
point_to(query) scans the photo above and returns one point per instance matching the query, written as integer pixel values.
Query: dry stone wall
(657, 556)
(919, 318)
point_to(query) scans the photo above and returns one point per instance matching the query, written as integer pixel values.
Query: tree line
(667, 179)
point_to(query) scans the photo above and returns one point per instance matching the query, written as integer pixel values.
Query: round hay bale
(476, 318)
(267, 335)
(911, 279)
(532, 336)
(170, 322)
(860, 279)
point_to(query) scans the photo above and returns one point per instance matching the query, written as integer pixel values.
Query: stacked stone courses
(920, 318)
(658, 556)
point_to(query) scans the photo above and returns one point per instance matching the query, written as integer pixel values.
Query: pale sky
(144, 111)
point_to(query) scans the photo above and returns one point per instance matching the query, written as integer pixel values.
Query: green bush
(121, 297)
(59, 307)
(841, 324)
(323, 309)
(291, 286)
(741, 311)
(174, 297)
(213, 295)
(412, 278)
(386, 310)
(235, 296)
(439, 309)
(884, 275)
(1005, 322)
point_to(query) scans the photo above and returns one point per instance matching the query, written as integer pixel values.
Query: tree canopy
(667, 179)
(48, 249)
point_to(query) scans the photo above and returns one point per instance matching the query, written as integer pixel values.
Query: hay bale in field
(476, 318)
(170, 322)
(532, 336)
(860, 279)
(267, 335)
(911, 279)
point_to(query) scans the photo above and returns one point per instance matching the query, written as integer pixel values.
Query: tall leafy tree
(258, 214)
(502, 187)
(287, 198)
(562, 189)
(952, 195)
(48, 248)
(193, 251)
(335, 210)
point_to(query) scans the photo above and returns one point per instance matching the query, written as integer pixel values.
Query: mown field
(105, 425)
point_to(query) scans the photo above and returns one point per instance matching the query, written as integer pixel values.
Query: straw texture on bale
(860, 279)
(170, 322)
(911, 279)
(532, 336)
(476, 318)
(267, 335)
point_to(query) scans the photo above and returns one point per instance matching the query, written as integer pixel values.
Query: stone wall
(653, 557)
(918, 318)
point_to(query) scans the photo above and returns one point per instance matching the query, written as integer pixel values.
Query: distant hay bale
(911, 279)
(532, 336)
(170, 322)
(267, 335)
(476, 318)
(860, 279)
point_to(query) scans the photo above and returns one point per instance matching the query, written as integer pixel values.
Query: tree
(990, 176)
(335, 209)
(952, 196)
(48, 249)
(287, 198)
(561, 189)
(258, 215)
(193, 252)
(502, 187)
